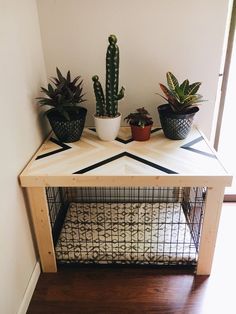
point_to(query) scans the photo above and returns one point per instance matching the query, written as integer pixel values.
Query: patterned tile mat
(144, 233)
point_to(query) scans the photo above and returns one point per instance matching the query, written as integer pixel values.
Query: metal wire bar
(128, 225)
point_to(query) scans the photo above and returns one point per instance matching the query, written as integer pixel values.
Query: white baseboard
(30, 289)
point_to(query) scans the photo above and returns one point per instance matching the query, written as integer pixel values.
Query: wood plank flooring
(144, 290)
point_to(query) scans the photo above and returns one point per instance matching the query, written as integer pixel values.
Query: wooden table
(159, 162)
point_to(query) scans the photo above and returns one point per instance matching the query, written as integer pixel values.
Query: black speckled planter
(68, 131)
(176, 126)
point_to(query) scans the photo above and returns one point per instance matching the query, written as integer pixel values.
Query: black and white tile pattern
(142, 233)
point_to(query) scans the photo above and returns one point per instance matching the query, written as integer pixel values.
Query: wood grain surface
(91, 162)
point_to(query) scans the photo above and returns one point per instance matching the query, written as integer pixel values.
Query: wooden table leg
(211, 219)
(40, 215)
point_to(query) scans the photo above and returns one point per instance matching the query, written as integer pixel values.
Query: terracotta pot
(139, 133)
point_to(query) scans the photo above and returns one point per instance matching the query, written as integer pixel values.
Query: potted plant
(140, 123)
(107, 118)
(65, 116)
(177, 115)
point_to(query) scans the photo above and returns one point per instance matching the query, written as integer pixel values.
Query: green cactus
(100, 99)
(109, 106)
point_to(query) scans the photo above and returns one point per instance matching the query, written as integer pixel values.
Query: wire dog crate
(121, 225)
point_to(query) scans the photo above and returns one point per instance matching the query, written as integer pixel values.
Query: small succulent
(180, 96)
(139, 118)
(107, 105)
(63, 95)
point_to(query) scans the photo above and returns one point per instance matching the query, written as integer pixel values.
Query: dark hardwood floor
(144, 290)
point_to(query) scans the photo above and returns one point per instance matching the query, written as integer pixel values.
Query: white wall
(154, 36)
(22, 72)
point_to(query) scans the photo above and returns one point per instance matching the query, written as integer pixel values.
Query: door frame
(224, 84)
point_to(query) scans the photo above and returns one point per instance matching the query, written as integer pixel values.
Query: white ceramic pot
(107, 128)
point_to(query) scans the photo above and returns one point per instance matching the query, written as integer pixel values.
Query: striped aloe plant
(180, 96)
(108, 106)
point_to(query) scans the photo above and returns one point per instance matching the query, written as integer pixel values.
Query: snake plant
(108, 105)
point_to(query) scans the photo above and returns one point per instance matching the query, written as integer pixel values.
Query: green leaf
(197, 101)
(75, 80)
(193, 88)
(162, 96)
(172, 81)
(140, 118)
(55, 80)
(176, 96)
(120, 94)
(80, 84)
(59, 75)
(41, 98)
(47, 102)
(60, 87)
(70, 93)
(170, 97)
(179, 93)
(165, 90)
(191, 99)
(62, 93)
(50, 89)
(68, 77)
(45, 91)
(184, 86)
